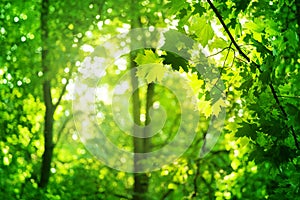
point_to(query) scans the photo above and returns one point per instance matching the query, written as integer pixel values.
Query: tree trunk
(48, 136)
(48, 119)
(141, 145)
(147, 129)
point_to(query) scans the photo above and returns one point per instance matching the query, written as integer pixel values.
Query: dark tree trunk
(48, 119)
(48, 136)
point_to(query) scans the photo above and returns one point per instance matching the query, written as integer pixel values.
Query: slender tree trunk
(48, 120)
(147, 129)
(141, 145)
(138, 190)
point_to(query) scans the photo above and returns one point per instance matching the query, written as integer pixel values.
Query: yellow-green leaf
(148, 58)
(151, 72)
(217, 107)
(205, 108)
(201, 29)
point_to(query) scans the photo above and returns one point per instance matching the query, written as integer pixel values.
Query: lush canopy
(241, 62)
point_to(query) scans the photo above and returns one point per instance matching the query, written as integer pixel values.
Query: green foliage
(257, 154)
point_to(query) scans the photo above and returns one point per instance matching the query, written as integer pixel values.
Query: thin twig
(63, 91)
(222, 69)
(62, 128)
(167, 194)
(229, 47)
(285, 96)
(195, 181)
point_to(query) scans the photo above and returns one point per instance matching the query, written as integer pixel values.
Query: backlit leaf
(202, 29)
(151, 72)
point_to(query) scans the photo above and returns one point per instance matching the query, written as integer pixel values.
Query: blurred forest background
(254, 44)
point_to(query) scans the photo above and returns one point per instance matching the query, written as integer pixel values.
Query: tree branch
(62, 129)
(195, 193)
(167, 194)
(258, 67)
(227, 31)
(214, 54)
(63, 91)
(223, 66)
(286, 96)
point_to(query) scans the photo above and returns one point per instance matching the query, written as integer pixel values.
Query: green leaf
(199, 9)
(261, 139)
(292, 38)
(256, 25)
(292, 110)
(150, 67)
(218, 106)
(148, 58)
(246, 84)
(174, 6)
(218, 43)
(265, 77)
(175, 61)
(205, 108)
(151, 72)
(248, 130)
(201, 29)
(241, 5)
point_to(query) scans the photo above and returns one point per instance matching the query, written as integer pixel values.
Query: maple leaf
(150, 66)
(148, 58)
(201, 28)
(218, 106)
(151, 72)
(205, 108)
